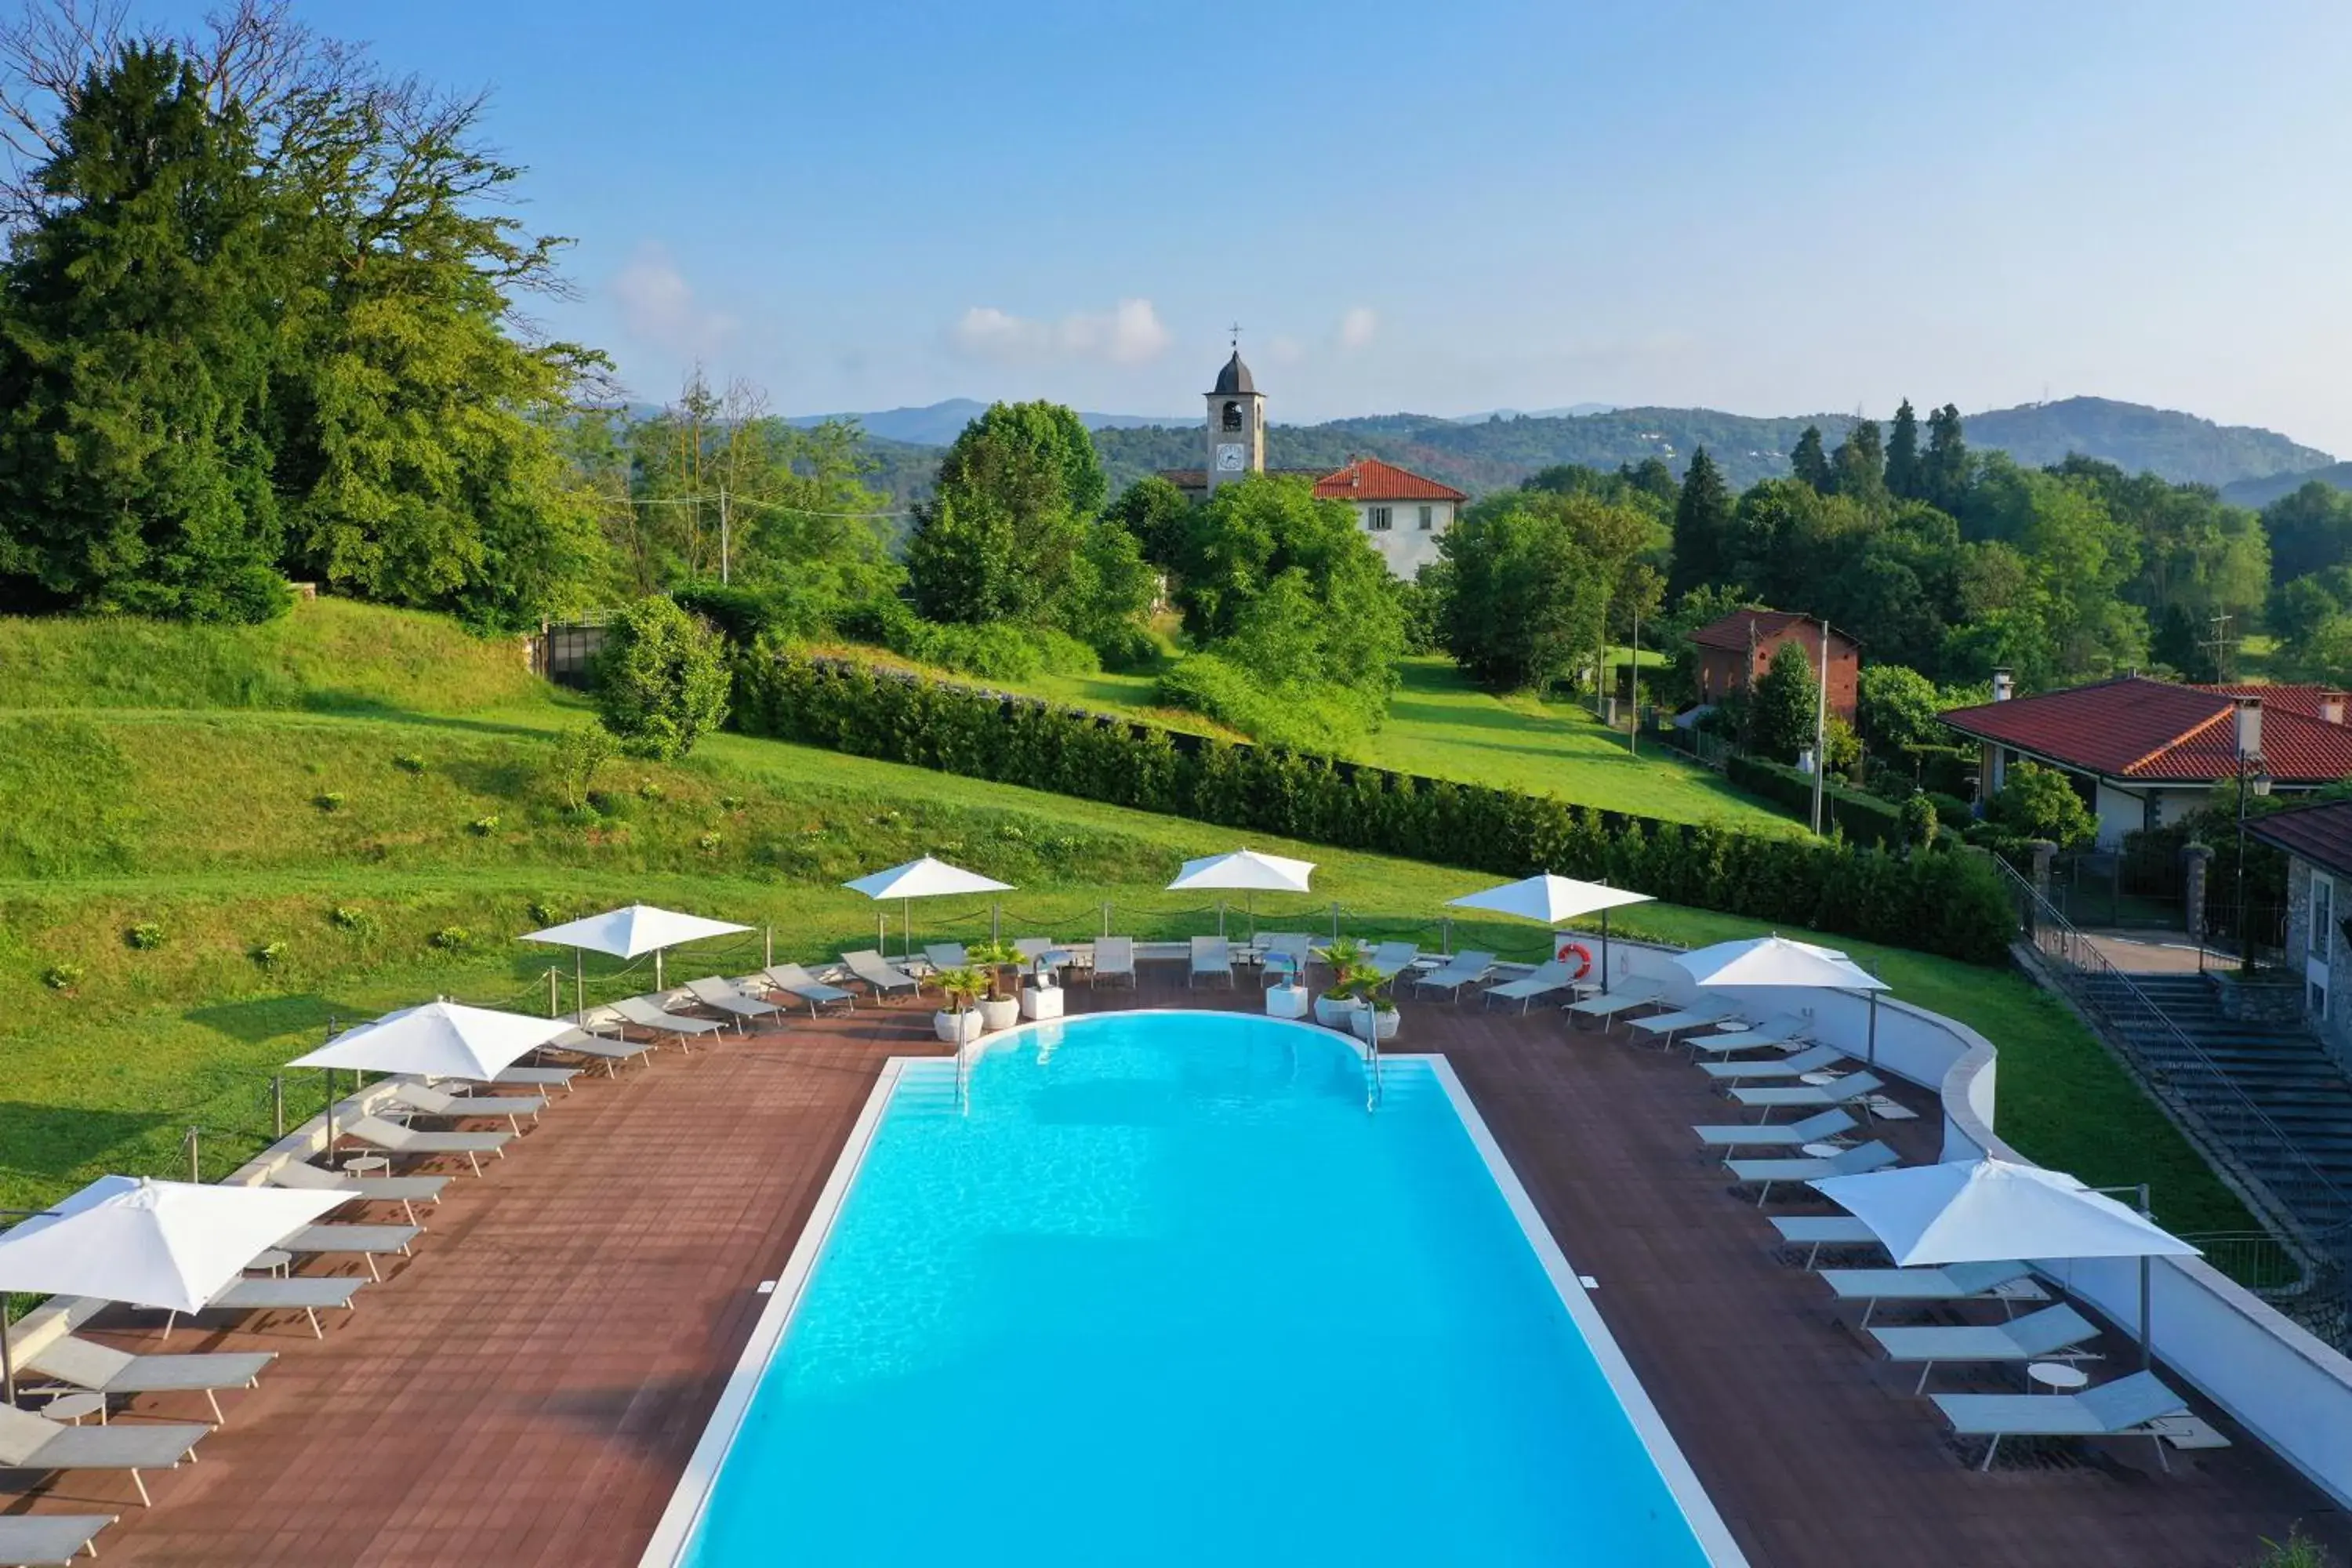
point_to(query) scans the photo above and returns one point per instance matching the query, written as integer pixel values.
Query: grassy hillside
(273, 907)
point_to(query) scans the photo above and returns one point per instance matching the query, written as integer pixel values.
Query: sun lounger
(1632, 993)
(404, 1191)
(879, 974)
(722, 995)
(30, 1442)
(102, 1369)
(1724, 1042)
(1210, 955)
(2036, 1336)
(394, 1139)
(1462, 969)
(1817, 1231)
(1816, 1058)
(1851, 1162)
(2123, 1409)
(943, 955)
(1033, 948)
(309, 1294)
(1391, 959)
(1852, 1087)
(50, 1539)
(531, 1077)
(597, 1047)
(647, 1014)
(1542, 981)
(1702, 1014)
(433, 1101)
(1283, 956)
(1114, 959)
(1791, 1135)
(796, 981)
(367, 1242)
(2008, 1281)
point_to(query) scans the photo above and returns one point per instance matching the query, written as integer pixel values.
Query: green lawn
(352, 834)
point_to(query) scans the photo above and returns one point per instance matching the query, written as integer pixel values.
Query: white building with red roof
(1404, 514)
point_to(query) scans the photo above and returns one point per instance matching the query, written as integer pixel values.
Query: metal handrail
(2075, 955)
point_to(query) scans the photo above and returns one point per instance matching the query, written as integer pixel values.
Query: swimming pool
(1165, 1290)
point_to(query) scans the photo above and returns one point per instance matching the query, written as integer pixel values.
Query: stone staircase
(2303, 1097)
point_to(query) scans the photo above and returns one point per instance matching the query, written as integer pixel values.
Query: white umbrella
(629, 932)
(171, 1245)
(1980, 1211)
(1247, 872)
(1764, 962)
(1553, 899)
(922, 879)
(439, 1039)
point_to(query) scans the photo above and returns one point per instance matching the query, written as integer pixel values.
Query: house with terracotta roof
(2318, 840)
(1734, 651)
(1404, 514)
(2144, 754)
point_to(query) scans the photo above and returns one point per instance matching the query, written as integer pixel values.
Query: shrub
(352, 919)
(144, 937)
(542, 912)
(661, 678)
(330, 801)
(1950, 904)
(1952, 811)
(61, 976)
(1919, 821)
(709, 843)
(409, 762)
(482, 827)
(2041, 803)
(581, 752)
(450, 939)
(730, 802)
(1864, 818)
(269, 954)
(651, 790)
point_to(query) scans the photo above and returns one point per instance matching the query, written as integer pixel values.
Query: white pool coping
(675, 1532)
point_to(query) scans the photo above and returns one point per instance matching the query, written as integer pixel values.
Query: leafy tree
(1784, 705)
(1898, 707)
(1158, 515)
(1810, 462)
(1919, 824)
(581, 752)
(1858, 466)
(1946, 471)
(2039, 803)
(1672, 631)
(2178, 646)
(1906, 473)
(135, 351)
(661, 678)
(2309, 531)
(1527, 598)
(1650, 477)
(1003, 536)
(1702, 520)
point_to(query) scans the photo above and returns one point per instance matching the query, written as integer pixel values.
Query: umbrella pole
(330, 1116)
(2147, 1340)
(579, 989)
(7, 1357)
(1220, 920)
(1604, 952)
(657, 980)
(995, 921)
(1250, 900)
(1873, 1043)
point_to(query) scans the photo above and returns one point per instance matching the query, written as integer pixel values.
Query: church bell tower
(1236, 423)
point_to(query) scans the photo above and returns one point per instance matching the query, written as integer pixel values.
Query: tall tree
(2310, 530)
(1945, 471)
(1016, 492)
(1158, 515)
(1783, 707)
(1858, 466)
(1702, 519)
(1810, 462)
(135, 357)
(1905, 473)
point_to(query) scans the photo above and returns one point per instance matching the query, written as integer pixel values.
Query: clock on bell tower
(1236, 423)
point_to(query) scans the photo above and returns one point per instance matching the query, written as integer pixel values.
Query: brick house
(1734, 650)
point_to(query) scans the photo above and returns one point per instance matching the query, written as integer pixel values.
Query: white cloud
(659, 307)
(1357, 327)
(1128, 333)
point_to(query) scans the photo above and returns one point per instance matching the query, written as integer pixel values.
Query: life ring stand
(1584, 955)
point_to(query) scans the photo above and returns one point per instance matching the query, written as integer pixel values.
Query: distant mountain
(1574, 411)
(2262, 492)
(936, 423)
(2135, 437)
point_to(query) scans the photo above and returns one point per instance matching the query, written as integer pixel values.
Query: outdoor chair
(2037, 1336)
(2125, 1407)
(1704, 1014)
(306, 1294)
(2007, 1281)
(403, 1190)
(1790, 1135)
(1391, 959)
(366, 1242)
(102, 1369)
(596, 1048)
(1114, 959)
(1542, 981)
(50, 1539)
(1850, 1163)
(431, 1101)
(1283, 957)
(1462, 969)
(394, 1139)
(1634, 993)
(1210, 955)
(30, 1442)
(1817, 1231)
(880, 975)
(723, 996)
(1814, 1059)
(1724, 1042)
(645, 1015)
(794, 981)
(523, 1078)
(943, 955)
(1846, 1090)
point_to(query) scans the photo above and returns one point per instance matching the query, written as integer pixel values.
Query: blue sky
(1441, 207)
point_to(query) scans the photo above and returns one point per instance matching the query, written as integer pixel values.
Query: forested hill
(2263, 491)
(2139, 439)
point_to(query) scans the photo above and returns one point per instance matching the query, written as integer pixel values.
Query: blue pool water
(1167, 1294)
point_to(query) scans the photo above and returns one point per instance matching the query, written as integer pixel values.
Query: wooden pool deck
(527, 1388)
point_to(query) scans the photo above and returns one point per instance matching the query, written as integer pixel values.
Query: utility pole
(722, 536)
(1634, 726)
(2218, 640)
(1821, 723)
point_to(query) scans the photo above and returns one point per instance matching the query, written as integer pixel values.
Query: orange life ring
(1583, 958)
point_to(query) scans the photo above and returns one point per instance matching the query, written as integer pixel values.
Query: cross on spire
(1236, 329)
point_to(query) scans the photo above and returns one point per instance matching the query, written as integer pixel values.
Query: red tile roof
(1368, 479)
(1734, 630)
(2134, 728)
(2319, 833)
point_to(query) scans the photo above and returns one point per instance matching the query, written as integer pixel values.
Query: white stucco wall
(2119, 812)
(1404, 544)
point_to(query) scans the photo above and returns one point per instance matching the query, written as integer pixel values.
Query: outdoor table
(366, 1164)
(74, 1406)
(1286, 1000)
(272, 1261)
(2056, 1376)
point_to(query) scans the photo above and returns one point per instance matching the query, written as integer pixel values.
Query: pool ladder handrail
(1373, 1065)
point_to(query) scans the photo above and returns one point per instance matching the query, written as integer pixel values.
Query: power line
(732, 498)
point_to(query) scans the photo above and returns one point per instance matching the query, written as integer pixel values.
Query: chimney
(2250, 726)
(2004, 686)
(2331, 707)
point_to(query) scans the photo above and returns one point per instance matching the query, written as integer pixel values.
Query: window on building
(2321, 943)
(1428, 517)
(1377, 520)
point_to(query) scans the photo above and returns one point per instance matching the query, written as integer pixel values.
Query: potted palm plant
(959, 1022)
(1332, 1009)
(1000, 1008)
(1373, 1014)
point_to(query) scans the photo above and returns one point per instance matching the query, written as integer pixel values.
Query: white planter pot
(1286, 1000)
(1361, 1021)
(957, 1028)
(1041, 1001)
(1332, 1014)
(995, 1014)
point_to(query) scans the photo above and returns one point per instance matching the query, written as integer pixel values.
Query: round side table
(367, 1164)
(74, 1406)
(273, 1261)
(2056, 1376)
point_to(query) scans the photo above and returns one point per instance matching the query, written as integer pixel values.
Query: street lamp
(2252, 775)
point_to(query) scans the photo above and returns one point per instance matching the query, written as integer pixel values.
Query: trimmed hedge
(1943, 903)
(1864, 818)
